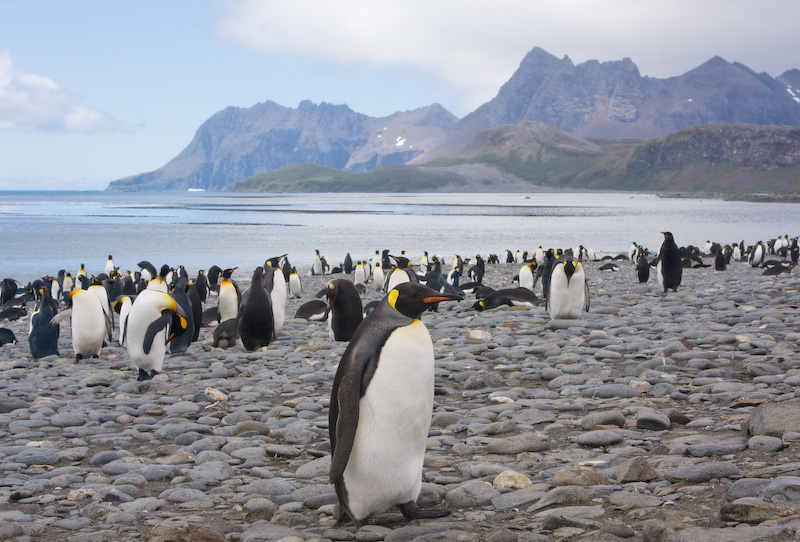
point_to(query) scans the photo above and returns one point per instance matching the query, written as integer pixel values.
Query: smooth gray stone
(524, 442)
(602, 437)
(763, 443)
(608, 391)
(182, 494)
(647, 418)
(702, 472)
(106, 456)
(270, 487)
(604, 417)
(775, 419)
(787, 487)
(474, 493)
(422, 531)
(211, 472)
(262, 532)
(722, 447)
(314, 469)
(517, 498)
(68, 419)
(747, 487)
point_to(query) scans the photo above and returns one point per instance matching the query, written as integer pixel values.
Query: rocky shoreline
(654, 418)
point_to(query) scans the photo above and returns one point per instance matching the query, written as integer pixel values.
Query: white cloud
(35, 102)
(474, 46)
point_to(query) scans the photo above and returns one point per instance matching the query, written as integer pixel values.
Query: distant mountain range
(609, 101)
(531, 156)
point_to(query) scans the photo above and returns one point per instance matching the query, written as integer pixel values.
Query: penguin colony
(382, 394)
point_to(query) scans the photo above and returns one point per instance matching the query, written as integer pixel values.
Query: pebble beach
(655, 417)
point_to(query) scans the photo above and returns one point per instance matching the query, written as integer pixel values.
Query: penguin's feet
(153, 373)
(411, 511)
(78, 358)
(143, 375)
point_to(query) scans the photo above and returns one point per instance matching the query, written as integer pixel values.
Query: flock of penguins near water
(389, 361)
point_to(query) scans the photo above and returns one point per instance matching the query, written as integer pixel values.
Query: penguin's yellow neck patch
(392, 297)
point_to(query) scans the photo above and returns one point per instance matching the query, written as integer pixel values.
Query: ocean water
(43, 232)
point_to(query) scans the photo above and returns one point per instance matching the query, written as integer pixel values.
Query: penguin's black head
(165, 269)
(668, 236)
(412, 298)
(402, 261)
(228, 272)
(478, 306)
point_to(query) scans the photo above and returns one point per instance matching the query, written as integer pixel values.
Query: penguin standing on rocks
(642, 267)
(89, 323)
(256, 324)
(295, 286)
(229, 297)
(567, 289)
(316, 268)
(275, 285)
(669, 265)
(182, 341)
(360, 274)
(381, 406)
(345, 310)
(720, 261)
(757, 255)
(42, 335)
(526, 275)
(154, 319)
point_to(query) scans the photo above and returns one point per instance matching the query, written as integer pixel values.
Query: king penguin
(345, 310)
(229, 297)
(381, 406)
(567, 289)
(316, 268)
(277, 291)
(295, 286)
(109, 268)
(182, 341)
(669, 265)
(256, 325)
(42, 335)
(153, 321)
(642, 267)
(89, 323)
(123, 306)
(360, 275)
(378, 277)
(400, 274)
(526, 275)
(757, 255)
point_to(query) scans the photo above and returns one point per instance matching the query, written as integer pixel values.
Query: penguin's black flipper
(411, 511)
(154, 328)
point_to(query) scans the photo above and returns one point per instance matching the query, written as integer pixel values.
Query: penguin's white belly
(378, 278)
(399, 276)
(139, 319)
(660, 274)
(278, 298)
(385, 465)
(565, 301)
(228, 303)
(295, 287)
(148, 362)
(88, 327)
(360, 277)
(526, 278)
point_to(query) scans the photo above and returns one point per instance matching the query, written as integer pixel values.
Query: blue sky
(95, 91)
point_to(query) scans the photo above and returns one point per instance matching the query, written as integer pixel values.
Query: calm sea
(43, 232)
